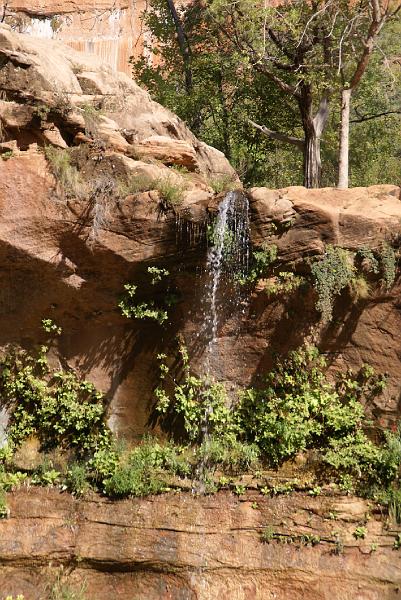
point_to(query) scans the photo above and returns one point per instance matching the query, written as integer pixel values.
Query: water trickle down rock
(227, 258)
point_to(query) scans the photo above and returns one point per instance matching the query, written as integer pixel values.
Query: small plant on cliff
(388, 265)
(267, 535)
(223, 184)
(193, 400)
(298, 409)
(261, 262)
(368, 260)
(284, 283)
(42, 112)
(150, 310)
(61, 589)
(92, 117)
(360, 533)
(170, 192)
(143, 471)
(54, 405)
(65, 173)
(4, 510)
(331, 275)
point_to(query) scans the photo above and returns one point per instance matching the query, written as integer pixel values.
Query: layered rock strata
(181, 547)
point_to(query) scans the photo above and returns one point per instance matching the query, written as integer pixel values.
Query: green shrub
(261, 262)
(368, 259)
(360, 533)
(298, 409)
(388, 265)
(6, 155)
(149, 310)
(230, 455)
(56, 406)
(76, 480)
(140, 473)
(170, 192)
(267, 534)
(285, 283)
(331, 274)
(142, 310)
(195, 401)
(4, 510)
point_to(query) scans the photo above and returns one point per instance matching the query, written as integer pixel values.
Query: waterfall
(227, 258)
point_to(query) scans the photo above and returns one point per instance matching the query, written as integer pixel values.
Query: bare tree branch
(285, 87)
(363, 118)
(281, 137)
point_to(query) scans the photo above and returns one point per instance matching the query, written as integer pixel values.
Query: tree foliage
(279, 68)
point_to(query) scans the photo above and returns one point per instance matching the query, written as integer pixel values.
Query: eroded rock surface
(48, 86)
(111, 29)
(181, 547)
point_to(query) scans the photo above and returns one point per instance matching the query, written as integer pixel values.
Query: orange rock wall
(111, 29)
(183, 547)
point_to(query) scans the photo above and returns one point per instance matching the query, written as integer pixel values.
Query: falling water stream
(227, 259)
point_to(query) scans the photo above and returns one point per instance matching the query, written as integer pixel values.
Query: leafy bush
(298, 409)
(132, 309)
(285, 283)
(76, 480)
(4, 511)
(368, 259)
(11, 479)
(331, 275)
(388, 264)
(196, 401)
(56, 406)
(140, 473)
(231, 455)
(171, 193)
(143, 310)
(261, 261)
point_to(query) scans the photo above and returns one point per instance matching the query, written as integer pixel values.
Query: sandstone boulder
(80, 94)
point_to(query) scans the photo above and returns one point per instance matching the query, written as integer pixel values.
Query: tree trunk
(343, 166)
(312, 162)
(313, 127)
(183, 43)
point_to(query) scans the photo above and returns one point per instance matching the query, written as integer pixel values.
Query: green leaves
(200, 404)
(56, 406)
(149, 310)
(331, 275)
(297, 409)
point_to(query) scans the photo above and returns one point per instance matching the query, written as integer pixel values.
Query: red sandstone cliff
(53, 264)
